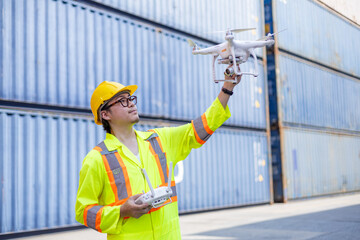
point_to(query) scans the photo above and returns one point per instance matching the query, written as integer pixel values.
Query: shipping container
(318, 34)
(314, 84)
(41, 156)
(56, 52)
(231, 169)
(42, 153)
(200, 18)
(316, 96)
(318, 162)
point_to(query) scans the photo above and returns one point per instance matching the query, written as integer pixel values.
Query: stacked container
(52, 56)
(314, 96)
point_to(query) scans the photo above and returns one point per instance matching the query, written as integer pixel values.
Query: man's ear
(105, 115)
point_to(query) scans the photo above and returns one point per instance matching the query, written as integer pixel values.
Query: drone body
(234, 49)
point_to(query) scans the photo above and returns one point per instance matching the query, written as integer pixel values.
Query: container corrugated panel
(318, 163)
(56, 53)
(316, 96)
(200, 18)
(318, 34)
(42, 155)
(231, 169)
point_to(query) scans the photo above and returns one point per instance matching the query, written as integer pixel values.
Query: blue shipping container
(199, 18)
(42, 154)
(56, 53)
(317, 162)
(318, 34)
(311, 95)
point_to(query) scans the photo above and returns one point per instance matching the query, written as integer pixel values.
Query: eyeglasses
(123, 101)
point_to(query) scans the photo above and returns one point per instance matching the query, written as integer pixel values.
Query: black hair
(106, 125)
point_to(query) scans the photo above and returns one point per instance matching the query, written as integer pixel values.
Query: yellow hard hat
(105, 91)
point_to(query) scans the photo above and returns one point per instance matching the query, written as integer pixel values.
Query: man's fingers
(136, 196)
(140, 206)
(146, 210)
(144, 206)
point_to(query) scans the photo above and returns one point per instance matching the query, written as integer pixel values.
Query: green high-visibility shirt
(104, 188)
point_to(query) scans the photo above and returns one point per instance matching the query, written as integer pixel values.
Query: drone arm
(210, 50)
(213, 66)
(255, 62)
(232, 49)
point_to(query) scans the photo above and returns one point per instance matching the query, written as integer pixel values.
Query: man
(111, 178)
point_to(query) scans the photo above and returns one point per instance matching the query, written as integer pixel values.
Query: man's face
(122, 111)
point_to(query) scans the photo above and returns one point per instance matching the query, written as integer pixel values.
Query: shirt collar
(113, 143)
(143, 135)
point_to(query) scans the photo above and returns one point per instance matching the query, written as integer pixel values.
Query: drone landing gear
(223, 80)
(238, 72)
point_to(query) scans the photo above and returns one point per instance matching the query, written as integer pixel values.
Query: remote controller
(158, 196)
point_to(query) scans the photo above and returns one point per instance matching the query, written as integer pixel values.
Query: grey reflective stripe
(154, 135)
(116, 170)
(173, 191)
(156, 146)
(200, 129)
(91, 216)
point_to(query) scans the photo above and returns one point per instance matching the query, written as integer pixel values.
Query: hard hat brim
(130, 88)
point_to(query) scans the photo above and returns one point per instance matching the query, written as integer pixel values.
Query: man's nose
(130, 103)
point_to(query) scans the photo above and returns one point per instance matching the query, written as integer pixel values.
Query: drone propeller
(191, 43)
(234, 30)
(241, 30)
(270, 35)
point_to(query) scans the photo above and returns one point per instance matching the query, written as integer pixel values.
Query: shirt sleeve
(180, 140)
(89, 211)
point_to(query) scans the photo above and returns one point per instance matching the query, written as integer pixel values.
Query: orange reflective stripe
(97, 148)
(157, 150)
(157, 163)
(126, 175)
(92, 216)
(198, 139)
(111, 178)
(201, 129)
(98, 219)
(167, 168)
(85, 213)
(173, 199)
(116, 171)
(206, 126)
(157, 138)
(122, 201)
(109, 173)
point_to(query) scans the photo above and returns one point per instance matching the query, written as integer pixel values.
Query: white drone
(234, 49)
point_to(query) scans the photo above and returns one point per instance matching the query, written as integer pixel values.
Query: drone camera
(229, 71)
